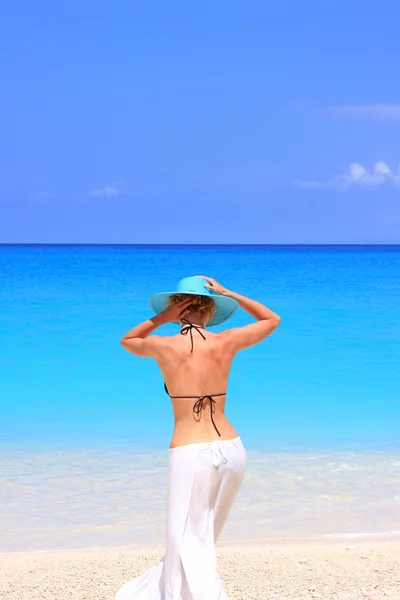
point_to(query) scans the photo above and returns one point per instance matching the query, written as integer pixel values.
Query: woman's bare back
(203, 372)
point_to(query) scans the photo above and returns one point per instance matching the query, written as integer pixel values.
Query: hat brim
(225, 307)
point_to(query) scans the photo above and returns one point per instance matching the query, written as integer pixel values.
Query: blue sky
(215, 122)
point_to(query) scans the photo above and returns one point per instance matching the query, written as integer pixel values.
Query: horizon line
(305, 244)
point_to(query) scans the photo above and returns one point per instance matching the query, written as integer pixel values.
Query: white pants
(204, 479)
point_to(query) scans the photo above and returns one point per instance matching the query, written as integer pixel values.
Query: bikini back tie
(198, 406)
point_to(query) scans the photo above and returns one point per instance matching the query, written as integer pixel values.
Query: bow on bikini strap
(189, 328)
(198, 407)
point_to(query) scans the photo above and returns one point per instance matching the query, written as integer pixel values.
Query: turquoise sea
(84, 425)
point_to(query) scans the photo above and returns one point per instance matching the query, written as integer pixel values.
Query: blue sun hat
(225, 307)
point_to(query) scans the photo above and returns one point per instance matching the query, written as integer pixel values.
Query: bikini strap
(198, 406)
(189, 327)
(199, 397)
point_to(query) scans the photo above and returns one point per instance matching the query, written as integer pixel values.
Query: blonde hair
(203, 305)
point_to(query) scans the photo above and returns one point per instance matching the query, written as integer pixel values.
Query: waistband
(219, 449)
(205, 444)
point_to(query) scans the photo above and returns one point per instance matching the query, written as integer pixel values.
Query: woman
(206, 455)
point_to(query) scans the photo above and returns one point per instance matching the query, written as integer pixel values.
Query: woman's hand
(214, 286)
(177, 311)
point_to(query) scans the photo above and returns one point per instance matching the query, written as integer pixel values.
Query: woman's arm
(136, 340)
(248, 335)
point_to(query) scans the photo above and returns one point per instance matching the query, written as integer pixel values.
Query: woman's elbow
(123, 342)
(277, 321)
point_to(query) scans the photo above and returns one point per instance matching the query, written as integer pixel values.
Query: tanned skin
(206, 370)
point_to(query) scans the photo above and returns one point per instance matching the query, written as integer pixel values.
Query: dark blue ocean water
(329, 377)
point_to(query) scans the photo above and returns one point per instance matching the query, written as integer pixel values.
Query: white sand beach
(330, 571)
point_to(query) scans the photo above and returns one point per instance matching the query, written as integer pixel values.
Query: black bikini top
(197, 406)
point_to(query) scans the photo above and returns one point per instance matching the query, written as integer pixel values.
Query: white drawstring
(217, 454)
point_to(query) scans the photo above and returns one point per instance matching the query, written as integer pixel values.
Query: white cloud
(104, 192)
(379, 112)
(45, 194)
(357, 177)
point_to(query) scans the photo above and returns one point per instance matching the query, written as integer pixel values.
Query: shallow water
(57, 499)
